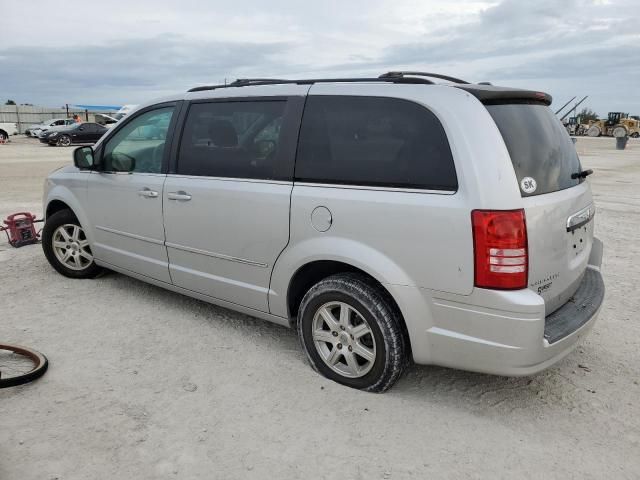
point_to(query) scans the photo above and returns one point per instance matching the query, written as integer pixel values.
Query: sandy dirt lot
(148, 384)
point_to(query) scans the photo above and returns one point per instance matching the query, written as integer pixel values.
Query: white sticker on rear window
(528, 185)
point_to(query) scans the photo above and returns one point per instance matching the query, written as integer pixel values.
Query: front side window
(373, 141)
(231, 139)
(142, 139)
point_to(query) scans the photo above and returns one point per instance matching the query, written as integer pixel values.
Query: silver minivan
(388, 220)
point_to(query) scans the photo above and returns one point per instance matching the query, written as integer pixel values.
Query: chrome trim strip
(216, 255)
(130, 235)
(232, 179)
(383, 189)
(313, 184)
(580, 218)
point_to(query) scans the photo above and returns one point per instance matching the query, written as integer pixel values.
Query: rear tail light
(500, 249)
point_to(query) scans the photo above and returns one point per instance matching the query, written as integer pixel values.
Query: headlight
(52, 134)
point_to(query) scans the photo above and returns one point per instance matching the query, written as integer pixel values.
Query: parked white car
(124, 111)
(7, 129)
(106, 120)
(37, 129)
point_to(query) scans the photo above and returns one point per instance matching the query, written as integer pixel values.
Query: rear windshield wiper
(582, 174)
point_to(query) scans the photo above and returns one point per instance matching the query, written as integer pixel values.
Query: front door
(226, 207)
(125, 196)
(84, 133)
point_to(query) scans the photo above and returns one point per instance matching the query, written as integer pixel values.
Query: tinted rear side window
(539, 146)
(231, 139)
(373, 141)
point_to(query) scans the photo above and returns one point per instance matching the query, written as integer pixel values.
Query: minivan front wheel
(66, 246)
(351, 333)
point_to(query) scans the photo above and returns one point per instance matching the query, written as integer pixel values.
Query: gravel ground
(148, 384)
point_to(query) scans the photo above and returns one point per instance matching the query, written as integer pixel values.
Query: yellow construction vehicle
(575, 127)
(617, 124)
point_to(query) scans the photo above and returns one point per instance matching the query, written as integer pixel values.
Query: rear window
(541, 151)
(373, 141)
(231, 139)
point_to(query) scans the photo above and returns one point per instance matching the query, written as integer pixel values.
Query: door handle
(180, 196)
(147, 192)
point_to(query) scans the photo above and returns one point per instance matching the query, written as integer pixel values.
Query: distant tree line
(587, 114)
(12, 102)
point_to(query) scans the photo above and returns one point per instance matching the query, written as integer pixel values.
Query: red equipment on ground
(20, 229)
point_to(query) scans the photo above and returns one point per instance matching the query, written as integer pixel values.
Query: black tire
(64, 217)
(64, 141)
(383, 319)
(594, 131)
(635, 135)
(4, 136)
(40, 365)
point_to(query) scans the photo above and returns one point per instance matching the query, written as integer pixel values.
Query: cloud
(133, 51)
(567, 48)
(513, 28)
(136, 67)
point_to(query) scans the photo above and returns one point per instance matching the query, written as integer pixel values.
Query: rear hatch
(558, 208)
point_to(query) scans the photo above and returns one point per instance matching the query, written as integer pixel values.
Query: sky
(126, 52)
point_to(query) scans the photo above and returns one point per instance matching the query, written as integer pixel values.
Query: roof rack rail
(248, 81)
(244, 82)
(484, 91)
(403, 74)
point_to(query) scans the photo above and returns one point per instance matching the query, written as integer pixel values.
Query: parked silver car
(38, 129)
(387, 219)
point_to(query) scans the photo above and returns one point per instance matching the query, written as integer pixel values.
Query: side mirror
(83, 158)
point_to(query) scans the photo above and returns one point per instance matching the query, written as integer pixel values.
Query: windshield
(541, 151)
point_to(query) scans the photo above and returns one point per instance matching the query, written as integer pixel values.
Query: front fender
(70, 188)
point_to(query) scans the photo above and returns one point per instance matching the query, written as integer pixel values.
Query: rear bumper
(498, 332)
(578, 311)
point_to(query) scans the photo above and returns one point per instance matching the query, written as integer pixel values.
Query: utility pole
(18, 118)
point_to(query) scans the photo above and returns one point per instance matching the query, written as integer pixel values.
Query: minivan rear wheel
(352, 333)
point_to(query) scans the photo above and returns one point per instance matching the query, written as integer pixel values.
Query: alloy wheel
(343, 339)
(71, 247)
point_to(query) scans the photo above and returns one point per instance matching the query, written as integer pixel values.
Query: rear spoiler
(491, 95)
